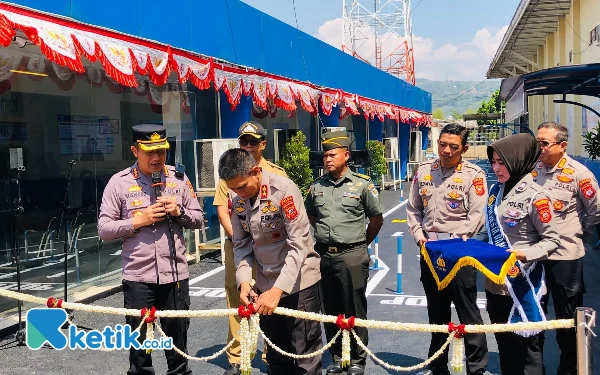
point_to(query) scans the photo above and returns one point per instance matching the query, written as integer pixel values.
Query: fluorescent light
(30, 73)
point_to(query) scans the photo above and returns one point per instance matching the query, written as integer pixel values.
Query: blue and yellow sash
(525, 282)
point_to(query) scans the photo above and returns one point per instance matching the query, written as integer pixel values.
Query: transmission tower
(379, 32)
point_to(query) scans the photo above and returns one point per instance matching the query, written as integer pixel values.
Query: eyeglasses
(545, 144)
(250, 141)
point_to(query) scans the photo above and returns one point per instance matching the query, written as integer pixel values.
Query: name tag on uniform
(351, 195)
(318, 194)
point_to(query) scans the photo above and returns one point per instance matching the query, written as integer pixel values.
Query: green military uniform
(338, 208)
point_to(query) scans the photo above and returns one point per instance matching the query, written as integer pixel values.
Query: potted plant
(591, 143)
(296, 163)
(378, 164)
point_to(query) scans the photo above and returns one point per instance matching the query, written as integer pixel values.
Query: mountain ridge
(458, 96)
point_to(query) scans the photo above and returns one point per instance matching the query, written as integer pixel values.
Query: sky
(452, 39)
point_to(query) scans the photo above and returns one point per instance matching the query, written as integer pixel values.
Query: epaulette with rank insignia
(363, 176)
(275, 166)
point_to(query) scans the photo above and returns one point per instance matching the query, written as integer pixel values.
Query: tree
(456, 114)
(378, 163)
(492, 105)
(296, 163)
(438, 113)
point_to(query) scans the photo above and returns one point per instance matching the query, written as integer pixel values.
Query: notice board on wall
(86, 135)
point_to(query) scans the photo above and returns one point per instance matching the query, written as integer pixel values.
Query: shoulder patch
(364, 176)
(586, 188)
(275, 165)
(543, 208)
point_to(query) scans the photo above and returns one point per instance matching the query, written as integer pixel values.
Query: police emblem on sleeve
(543, 208)
(478, 184)
(289, 207)
(586, 188)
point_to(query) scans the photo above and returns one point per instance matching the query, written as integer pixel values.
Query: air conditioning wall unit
(280, 138)
(390, 148)
(416, 154)
(207, 153)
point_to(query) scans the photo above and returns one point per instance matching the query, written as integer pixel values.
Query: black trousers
(518, 355)
(463, 292)
(164, 297)
(298, 336)
(344, 279)
(564, 280)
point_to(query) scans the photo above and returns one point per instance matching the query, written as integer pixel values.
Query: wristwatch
(181, 210)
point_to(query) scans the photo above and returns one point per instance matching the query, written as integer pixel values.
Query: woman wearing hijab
(518, 218)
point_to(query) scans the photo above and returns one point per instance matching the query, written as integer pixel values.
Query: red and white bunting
(328, 101)
(199, 73)
(127, 59)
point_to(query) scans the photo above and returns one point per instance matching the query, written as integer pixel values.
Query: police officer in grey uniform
(447, 198)
(271, 228)
(131, 212)
(576, 205)
(526, 218)
(337, 205)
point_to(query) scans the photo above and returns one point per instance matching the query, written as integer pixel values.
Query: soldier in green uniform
(337, 204)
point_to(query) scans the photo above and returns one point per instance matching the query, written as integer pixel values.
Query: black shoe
(335, 368)
(233, 370)
(356, 369)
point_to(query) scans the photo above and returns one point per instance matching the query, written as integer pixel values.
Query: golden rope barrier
(249, 330)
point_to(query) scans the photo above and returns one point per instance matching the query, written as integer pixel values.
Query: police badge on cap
(150, 137)
(254, 129)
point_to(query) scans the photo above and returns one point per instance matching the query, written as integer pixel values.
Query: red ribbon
(151, 317)
(246, 312)
(53, 302)
(342, 324)
(458, 329)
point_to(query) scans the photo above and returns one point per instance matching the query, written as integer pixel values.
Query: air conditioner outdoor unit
(415, 147)
(390, 148)
(206, 156)
(280, 138)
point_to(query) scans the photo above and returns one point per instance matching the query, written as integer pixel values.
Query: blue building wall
(234, 31)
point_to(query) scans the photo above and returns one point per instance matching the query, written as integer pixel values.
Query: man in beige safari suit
(252, 138)
(271, 228)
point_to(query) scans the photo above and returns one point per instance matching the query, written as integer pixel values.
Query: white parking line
(60, 274)
(208, 274)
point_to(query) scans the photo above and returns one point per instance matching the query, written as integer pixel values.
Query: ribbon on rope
(54, 303)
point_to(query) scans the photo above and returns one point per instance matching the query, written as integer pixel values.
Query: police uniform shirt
(274, 232)
(146, 254)
(446, 202)
(573, 189)
(340, 207)
(527, 219)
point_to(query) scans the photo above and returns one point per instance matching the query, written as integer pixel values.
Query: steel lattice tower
(380, 35)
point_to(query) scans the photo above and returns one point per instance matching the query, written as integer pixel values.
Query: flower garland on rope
(248, 336)
(345, 326)
(457, 349)
(148, 317)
